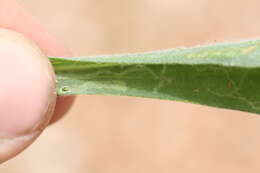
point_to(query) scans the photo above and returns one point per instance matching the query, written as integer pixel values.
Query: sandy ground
(103, 134)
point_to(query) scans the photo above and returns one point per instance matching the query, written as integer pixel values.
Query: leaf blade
(222, 75)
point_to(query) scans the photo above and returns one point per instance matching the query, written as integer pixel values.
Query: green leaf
(222, 75)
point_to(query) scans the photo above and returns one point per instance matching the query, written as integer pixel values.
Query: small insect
(65, 89)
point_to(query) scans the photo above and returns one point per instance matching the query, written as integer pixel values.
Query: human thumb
(27, 93)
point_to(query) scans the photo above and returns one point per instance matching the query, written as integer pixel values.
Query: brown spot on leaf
(229, 84)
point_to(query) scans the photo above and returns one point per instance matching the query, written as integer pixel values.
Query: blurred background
(104, 134)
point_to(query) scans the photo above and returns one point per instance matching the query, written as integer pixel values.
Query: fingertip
(27, 93)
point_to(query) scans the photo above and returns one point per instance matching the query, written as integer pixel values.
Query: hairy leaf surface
(223, 75)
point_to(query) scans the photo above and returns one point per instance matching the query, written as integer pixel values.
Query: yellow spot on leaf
(248, 50)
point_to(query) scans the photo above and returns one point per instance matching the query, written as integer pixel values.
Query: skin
(28, 101)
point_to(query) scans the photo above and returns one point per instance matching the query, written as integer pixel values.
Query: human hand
(27, 83)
